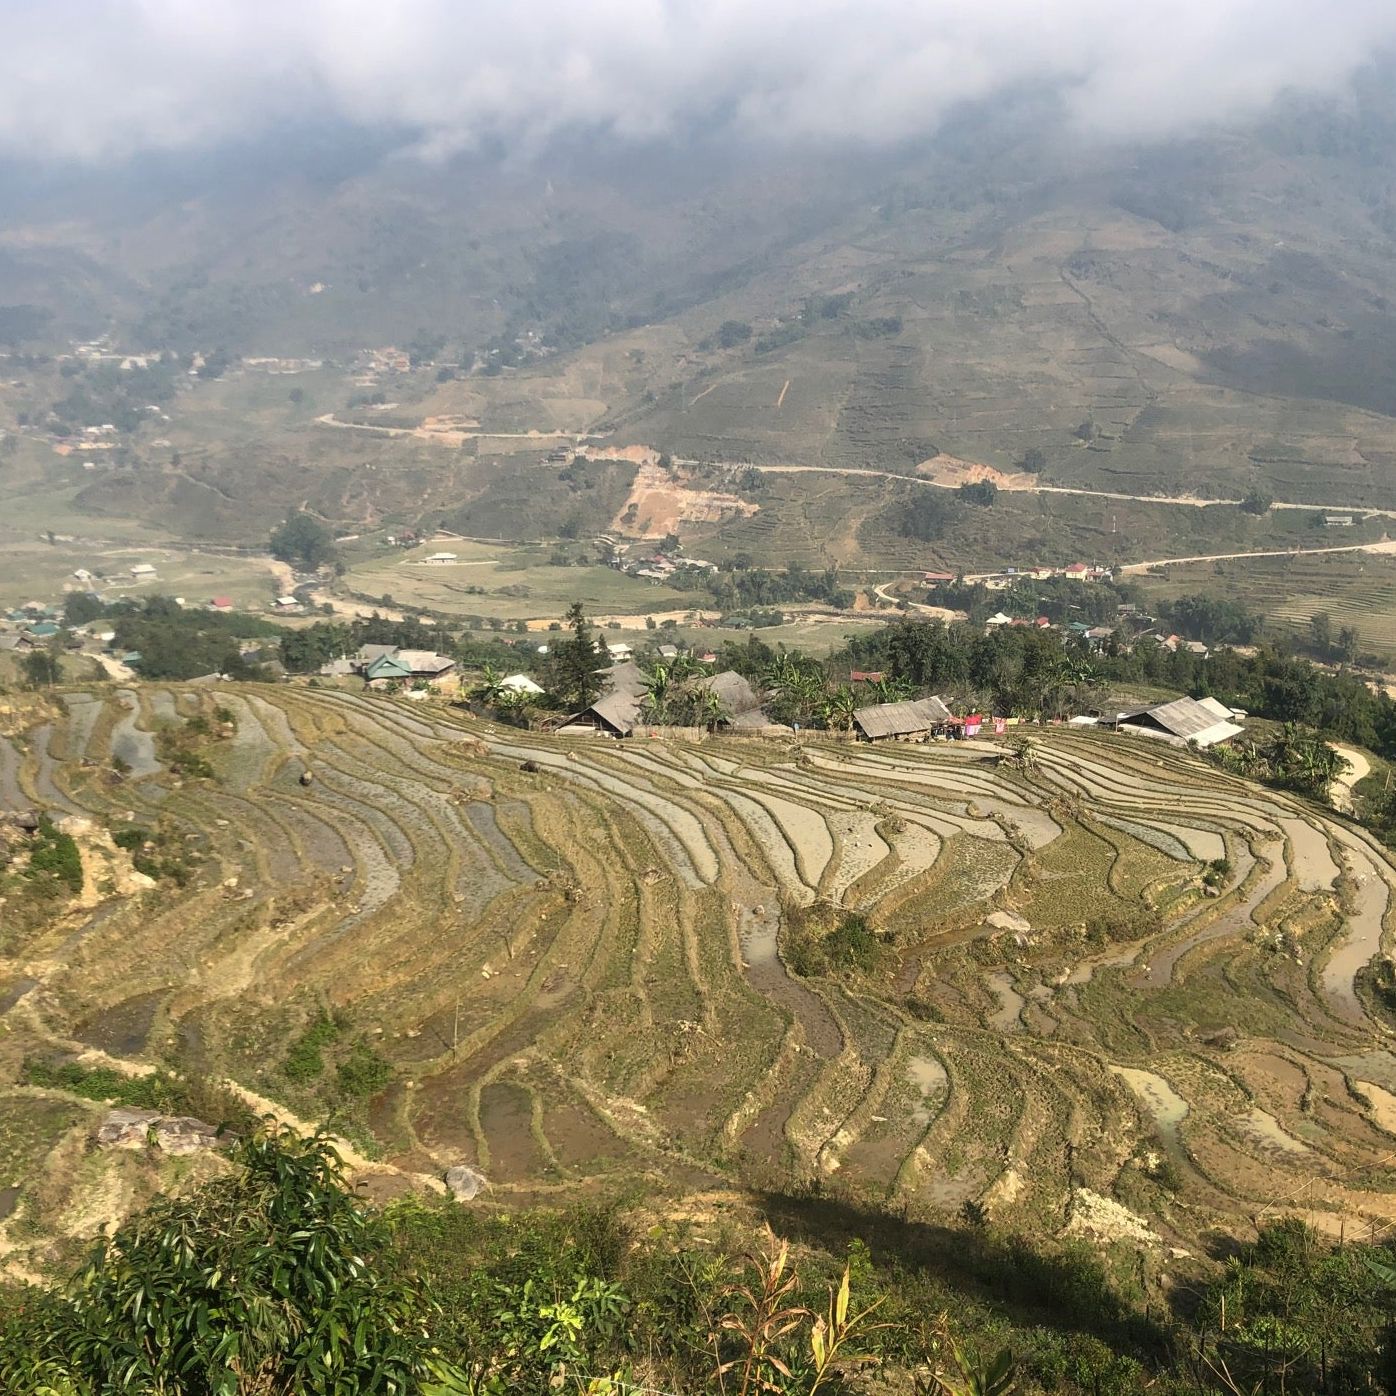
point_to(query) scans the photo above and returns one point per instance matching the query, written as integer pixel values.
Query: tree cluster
(303, 542)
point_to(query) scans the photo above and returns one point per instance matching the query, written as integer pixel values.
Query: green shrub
(852, 944)
(363, 1072)
(54, 859)
(161, 1091)
(822, 939)
(155, 1092)
(131, 838)
(263, 1282)
(305, 1061)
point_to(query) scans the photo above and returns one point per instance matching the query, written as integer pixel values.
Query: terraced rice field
(1356, 589)
(577, 973)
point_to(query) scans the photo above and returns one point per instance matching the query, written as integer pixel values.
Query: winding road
(1187, 501)
(1184, 501)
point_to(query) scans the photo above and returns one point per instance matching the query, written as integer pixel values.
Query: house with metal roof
(914, 721)
(366, 654)
(425, 664)
(1201, 722)
(615, 715)
(387, 668)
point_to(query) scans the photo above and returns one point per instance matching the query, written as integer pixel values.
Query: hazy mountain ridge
(1208, 317)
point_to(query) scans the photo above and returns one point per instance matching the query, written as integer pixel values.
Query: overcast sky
(96, 79)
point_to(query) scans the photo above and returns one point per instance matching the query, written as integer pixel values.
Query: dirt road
(452, 437)
(1187, 501)
(939, 612)
(1387, 545)
(1358, 767)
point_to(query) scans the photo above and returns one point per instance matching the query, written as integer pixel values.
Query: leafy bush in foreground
(277, 1281)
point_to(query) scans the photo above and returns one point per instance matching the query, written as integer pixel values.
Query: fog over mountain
(96, 79)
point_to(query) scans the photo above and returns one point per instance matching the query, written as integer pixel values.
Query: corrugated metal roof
(1184, 717)
(425, 661)
(368, 653)
(387, 666)
(1186, 720)
(901, 719)
(620, 711)
(625, 678)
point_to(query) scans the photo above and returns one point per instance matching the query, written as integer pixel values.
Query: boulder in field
(171, 1134)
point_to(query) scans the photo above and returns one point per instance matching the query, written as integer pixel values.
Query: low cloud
(103, 79)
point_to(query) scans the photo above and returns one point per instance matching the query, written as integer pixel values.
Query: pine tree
(572, 677)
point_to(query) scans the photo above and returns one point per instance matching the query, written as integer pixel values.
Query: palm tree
(890, 690)
(659, 684)
(706, 708)
(515, 705)
(838, 708)
(490, 689)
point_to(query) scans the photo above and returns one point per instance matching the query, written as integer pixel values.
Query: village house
(143, 570)
(384, 664)
(614, 715)
(426, 664)
(741, 704)
(521, 683)
(386, 669)
(905, 722)
(1202, 722)
(441, 559)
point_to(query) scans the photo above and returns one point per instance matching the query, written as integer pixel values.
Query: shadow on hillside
(1069, 1290)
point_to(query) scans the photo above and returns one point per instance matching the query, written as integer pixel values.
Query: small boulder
(183, 1134)
(126, 1129)
(171, 1134)
(464, 1182)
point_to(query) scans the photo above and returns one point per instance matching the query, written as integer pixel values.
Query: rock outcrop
(171, 1134)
